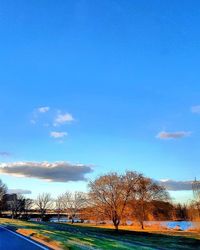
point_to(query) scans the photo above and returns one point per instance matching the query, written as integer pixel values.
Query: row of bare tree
(114, 197)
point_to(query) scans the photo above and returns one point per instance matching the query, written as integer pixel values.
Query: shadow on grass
(161, 241)
(76, 237)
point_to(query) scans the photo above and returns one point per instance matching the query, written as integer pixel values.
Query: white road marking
(25, 238)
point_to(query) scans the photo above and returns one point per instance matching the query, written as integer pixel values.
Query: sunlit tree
(109, 195)
(144, 197)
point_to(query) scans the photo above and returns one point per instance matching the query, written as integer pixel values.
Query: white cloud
(56, 171)
(196, 109)
(63, 118)
(176, 185)
(57, 134)
(54, 118)
(172, 135)
(19, 191)
(37, 112)
(43, 109)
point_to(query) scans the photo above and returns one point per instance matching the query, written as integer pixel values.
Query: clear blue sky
(124, 76)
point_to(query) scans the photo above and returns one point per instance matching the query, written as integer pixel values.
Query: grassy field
(76, 237)
(194, 234)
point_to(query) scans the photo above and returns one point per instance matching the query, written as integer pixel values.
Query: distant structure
(10, 197)
(196, 189)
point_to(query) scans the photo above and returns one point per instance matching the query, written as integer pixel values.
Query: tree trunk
(116, 227)
(42, 214)
(143, 215)
(142, 224)
(116, 223)
(58, 216)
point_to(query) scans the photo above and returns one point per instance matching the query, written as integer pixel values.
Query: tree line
(111, 197)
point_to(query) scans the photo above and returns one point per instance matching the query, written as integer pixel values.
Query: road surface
(11, 241)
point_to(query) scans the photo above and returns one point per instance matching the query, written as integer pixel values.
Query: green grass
(76, 237)
(67, 240)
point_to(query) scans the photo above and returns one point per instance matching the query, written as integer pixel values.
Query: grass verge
(76, 237)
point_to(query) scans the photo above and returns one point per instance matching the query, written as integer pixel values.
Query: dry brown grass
(45, 240)
(192, 233)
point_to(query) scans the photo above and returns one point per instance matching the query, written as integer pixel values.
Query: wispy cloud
(195, 109)
(43, 109)
(176, 185)
(63, 118)
(56, 172)
(19, 191)
(173, 135)
(33, 121)
(51, 119)
(5, 154)
(55, 117)
(37, 112)
(56, 134)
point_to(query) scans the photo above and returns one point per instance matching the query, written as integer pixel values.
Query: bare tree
(43, 203)
(28, 205)
(109, 194)
(59, 205)
(143, 200)
(16, 204)
(73, 203)
(3, 190)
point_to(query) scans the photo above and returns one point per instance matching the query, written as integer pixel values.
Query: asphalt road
(10, 241)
